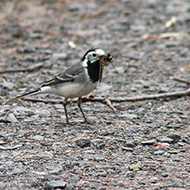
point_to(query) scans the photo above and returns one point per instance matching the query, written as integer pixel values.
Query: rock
(83, 142)
(130, 144)
(98, 143)
(8, 85)
(164, 174)
(26, 49)
(37, 138)
(173, 151)
(148, 142)
(132, 107)
(103, 132)
(158, 152)
(163, 89)
(101, 174)
(10, 117)
(29, 49)
(23, 111)
(173, 126)
(55, 170)
(137, 27)
(153, 179)
(175, 137)
(104, 87)
(128, 116)
(45, 155)
(55, 184)
(29, 58)
(127, 149)
(181, 143)
(30, 119)
(99, 157)
(165, 139)
(46, 52)
(2, 142)
(36, 36)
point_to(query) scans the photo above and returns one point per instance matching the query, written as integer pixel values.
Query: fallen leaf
(135, 168)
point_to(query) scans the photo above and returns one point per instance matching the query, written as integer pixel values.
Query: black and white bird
(76, 81)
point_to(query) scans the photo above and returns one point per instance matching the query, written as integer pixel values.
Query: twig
(118, 100)
(187, 81)
(84, 99)
(29, 69)
(161, 36)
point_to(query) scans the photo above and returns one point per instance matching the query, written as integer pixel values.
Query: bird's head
(95, 60)
(97, 54)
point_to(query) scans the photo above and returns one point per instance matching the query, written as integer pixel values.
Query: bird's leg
(64, 105)
(78, 103)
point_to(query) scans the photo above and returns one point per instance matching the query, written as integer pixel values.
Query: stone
(55, 170)
(10, 117)
(103, 132)
(175, 137)
(83, 142)
(165, 139)
(127, 149)
(26, 49)
(29, 49)
(164, 174)
(37, 138)
(130, 144)
(173, 151)
(55, 184)
(148, 142)
(98, 143)
(9, 85)
(158, 152)
(128, 116)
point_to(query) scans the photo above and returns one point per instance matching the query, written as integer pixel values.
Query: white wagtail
(76, 81)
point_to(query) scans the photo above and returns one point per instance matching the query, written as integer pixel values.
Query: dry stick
(187, 81)
(30, 69)
(118, 100)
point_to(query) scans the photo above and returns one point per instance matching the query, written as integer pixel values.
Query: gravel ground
(145, 144)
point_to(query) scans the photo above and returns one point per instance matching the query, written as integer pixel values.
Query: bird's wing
(67, 76)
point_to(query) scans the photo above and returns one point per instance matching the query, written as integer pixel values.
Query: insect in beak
(108, 59)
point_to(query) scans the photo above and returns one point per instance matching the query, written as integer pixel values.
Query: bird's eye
(94, 55)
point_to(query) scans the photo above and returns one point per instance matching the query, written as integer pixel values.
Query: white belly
(70, 90)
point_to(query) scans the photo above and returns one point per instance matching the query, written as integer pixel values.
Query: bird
(76, 81)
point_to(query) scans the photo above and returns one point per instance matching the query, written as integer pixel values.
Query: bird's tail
(37, 91)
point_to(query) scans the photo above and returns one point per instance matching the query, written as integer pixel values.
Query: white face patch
(99, 52)
(84, 63)
(94, 55)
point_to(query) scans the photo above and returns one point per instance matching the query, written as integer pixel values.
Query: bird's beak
(106, 58)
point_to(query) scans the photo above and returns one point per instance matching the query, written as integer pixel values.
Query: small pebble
(148, 142)
(158, 152)
(54, 184)
(83, 142)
